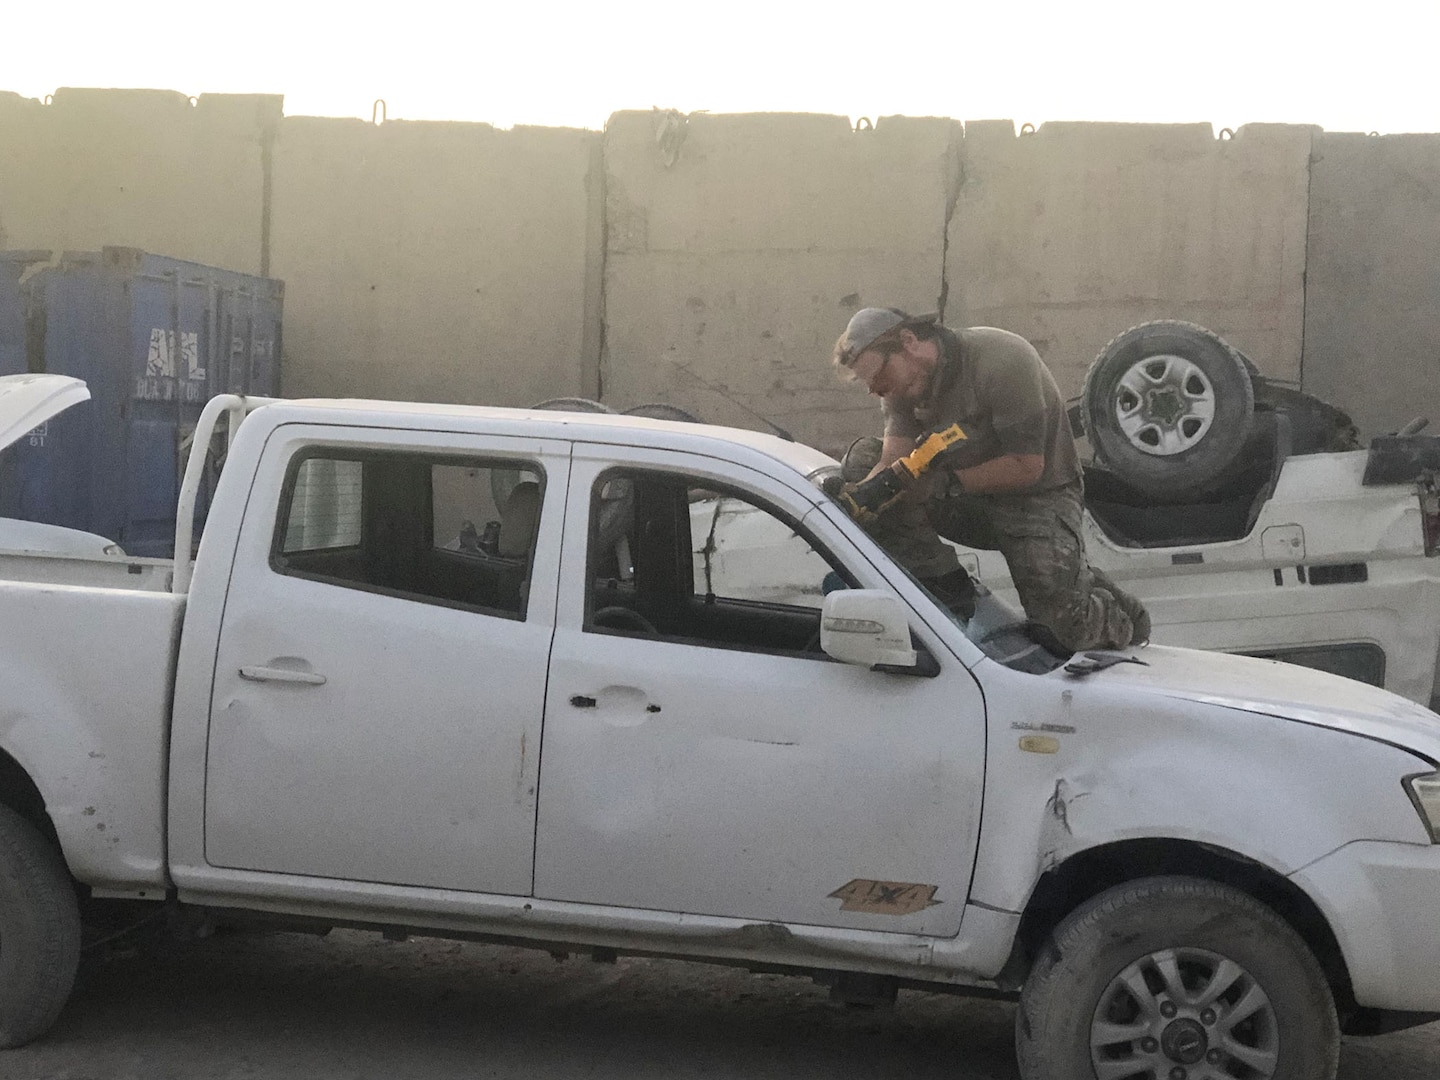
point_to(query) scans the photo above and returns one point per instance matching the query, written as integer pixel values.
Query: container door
(171, 383)
(380, 675)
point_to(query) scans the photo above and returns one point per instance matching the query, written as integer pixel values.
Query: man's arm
(1008, 472)
(892, 450)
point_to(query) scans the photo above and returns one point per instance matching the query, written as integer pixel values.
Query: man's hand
(870, 498)
(875, 494)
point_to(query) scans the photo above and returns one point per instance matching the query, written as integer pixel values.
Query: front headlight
(1425, 794)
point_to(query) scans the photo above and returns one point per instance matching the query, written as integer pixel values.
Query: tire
(1221, 942)
(1168, 406)
(39, 931)
(659, 410)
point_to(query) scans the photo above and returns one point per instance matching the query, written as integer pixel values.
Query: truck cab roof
(712, 439)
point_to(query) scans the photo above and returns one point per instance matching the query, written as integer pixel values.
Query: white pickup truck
(357, 707)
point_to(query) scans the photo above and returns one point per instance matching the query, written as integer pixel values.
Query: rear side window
(324, 506)
(441, 530)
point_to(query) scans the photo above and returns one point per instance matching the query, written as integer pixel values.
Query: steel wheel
(1168, 407)
(1185, 1013)
(1164, 405)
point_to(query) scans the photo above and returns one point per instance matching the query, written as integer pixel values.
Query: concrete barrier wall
(435, 261)
(1372, 311)
(137, 168)
(1077, 232)
(739, 246)
(711, 261)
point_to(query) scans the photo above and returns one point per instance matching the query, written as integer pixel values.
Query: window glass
(442, 530)
(743, 552)
(324, 506)
(673, 558)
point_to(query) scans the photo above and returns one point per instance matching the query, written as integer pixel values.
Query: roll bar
(235, 407)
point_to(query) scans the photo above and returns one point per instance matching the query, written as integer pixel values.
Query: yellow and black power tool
(869, 498)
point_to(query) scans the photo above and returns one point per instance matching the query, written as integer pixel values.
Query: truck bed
(87, 672)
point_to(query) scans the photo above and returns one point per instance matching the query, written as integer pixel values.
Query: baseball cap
(870, 324)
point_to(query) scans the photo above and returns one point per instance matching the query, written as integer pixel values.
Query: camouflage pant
(1040, 536)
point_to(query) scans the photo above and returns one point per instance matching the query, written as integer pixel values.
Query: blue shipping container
(155, 338)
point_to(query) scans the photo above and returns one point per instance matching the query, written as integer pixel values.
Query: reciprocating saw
(869, 498)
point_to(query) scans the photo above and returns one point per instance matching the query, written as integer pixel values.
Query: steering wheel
(624, 618)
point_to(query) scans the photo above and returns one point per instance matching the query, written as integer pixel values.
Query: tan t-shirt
(995, 386)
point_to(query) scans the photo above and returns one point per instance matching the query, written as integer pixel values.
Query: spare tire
(1168, 406)
(660, 410)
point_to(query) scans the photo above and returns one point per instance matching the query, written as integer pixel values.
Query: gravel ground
(353, 1007)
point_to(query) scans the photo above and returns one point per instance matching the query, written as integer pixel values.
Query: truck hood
(1272, 688)
(27, 401)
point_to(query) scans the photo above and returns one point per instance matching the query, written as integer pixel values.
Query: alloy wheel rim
(1184, 1014)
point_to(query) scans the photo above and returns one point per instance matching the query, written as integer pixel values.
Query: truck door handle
(276, 674)
(583, 701)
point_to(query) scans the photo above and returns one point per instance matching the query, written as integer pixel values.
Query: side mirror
(866, 627)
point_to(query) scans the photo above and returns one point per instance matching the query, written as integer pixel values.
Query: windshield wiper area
(1091, 662)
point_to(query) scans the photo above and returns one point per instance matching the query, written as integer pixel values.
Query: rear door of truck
(380, 675)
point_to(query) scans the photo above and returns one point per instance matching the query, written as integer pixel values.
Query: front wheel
(39, 931)
(1175, 978)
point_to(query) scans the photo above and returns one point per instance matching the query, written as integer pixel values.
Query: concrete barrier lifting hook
(378, 112)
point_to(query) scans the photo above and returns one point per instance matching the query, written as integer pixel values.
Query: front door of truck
(379, 682)
(702, 755)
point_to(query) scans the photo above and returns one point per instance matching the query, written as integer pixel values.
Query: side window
(324, 506)
(741, 551)
(672, 557)
(443, 530)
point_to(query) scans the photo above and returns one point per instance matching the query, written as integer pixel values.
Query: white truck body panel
(87, 675)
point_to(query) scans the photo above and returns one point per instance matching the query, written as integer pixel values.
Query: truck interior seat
(518, 519)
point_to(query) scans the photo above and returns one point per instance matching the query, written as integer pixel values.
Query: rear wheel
(39, 931)
(1176, 978)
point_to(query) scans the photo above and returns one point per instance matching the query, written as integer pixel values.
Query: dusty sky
(1347, 67)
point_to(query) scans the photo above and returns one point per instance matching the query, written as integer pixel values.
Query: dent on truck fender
(1057, 838)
